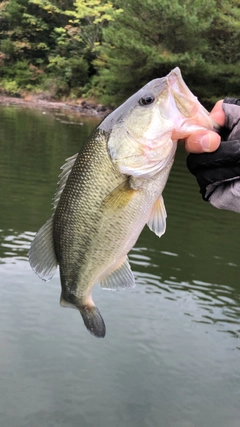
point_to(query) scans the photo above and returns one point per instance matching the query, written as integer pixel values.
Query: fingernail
(205, 142)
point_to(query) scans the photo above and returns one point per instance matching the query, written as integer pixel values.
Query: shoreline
(80, 106)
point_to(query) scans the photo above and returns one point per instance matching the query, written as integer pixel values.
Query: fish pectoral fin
(121, 278)
(42, 255)
(157, 220)
(119, 197)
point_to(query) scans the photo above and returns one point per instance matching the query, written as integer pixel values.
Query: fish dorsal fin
(157, 221)
(66, 169)
(42, 255)
(121, 278)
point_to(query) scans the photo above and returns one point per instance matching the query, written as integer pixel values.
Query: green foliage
(152, 37)
(73, 72)
(10, 87)
(21, 76)
(93, 11)
(110, 49)
(57, 37)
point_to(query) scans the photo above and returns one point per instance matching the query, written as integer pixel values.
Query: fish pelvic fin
(157, 220)
(42, 257)
(93, 321)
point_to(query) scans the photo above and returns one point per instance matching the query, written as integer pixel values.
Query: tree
(110, 49)
(51, 44)
(150, 38)
(26, 41)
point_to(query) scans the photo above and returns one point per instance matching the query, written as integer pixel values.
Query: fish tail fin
(93, 321)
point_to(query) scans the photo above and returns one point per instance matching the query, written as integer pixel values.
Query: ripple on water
(14, 246)
(209, 303)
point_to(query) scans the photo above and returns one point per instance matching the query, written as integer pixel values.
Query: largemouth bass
(110, 190)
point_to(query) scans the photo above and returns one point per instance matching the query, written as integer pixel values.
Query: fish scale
(88, 186)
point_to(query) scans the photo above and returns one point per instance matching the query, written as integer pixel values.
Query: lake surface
(171, 355)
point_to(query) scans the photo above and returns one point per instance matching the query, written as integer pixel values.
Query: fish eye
(146, 100)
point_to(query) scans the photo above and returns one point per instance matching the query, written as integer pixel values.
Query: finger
(217, 113)
(200, 142)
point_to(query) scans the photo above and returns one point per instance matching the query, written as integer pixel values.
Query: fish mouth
(187, 103)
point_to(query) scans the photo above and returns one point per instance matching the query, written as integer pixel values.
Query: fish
(111, 189)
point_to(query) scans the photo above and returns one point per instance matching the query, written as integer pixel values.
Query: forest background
(106, 50)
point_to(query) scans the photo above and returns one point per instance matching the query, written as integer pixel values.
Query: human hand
(218, 173)
(207, 141)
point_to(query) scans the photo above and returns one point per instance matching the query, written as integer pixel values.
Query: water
(171, 354)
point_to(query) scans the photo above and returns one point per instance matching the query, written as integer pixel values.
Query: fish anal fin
(42, 255)
(157, 220)
(121, 278)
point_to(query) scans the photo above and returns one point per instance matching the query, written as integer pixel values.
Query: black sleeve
(218, 173)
